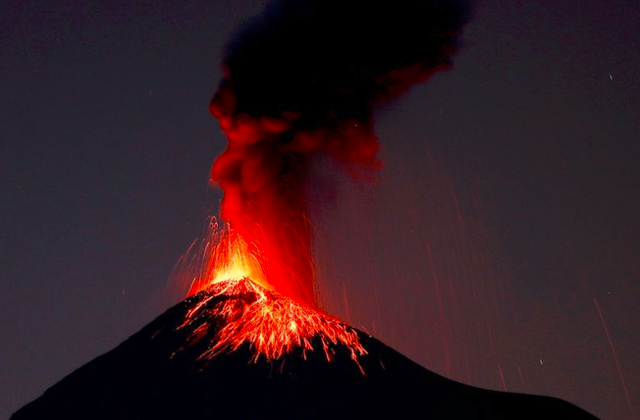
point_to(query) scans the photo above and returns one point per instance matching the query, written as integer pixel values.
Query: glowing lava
(273, 325)
(237, 305)
(230, 259)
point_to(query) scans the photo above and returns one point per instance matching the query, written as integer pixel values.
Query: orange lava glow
(237, 304)
(230, 259)
(273, 325)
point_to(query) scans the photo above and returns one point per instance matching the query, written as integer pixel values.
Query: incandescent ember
(242, 311)
(233, 302)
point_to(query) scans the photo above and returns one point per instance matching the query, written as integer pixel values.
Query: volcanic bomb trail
(301, 79)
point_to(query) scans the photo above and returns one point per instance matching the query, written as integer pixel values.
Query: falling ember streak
(615, 358)
(504, 384)
(273, 325)
(443, 318)
(522, 379)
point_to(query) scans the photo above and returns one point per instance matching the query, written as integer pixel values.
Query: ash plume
(304, 77)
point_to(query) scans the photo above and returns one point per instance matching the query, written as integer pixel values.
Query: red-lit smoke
(263, 182)
(302, 79)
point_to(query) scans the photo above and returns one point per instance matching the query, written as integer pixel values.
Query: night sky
(499, 245)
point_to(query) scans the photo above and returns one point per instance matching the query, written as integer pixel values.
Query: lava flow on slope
(236, 304)
(272, 325)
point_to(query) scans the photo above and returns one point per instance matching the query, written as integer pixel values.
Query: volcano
(239, 350)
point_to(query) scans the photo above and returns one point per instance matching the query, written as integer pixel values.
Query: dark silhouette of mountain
(169, 371)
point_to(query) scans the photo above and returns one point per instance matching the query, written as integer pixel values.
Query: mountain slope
(184, 364)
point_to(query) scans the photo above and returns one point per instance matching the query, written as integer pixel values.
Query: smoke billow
(304, 77)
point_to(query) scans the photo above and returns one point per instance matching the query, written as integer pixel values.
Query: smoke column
(303, 78)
